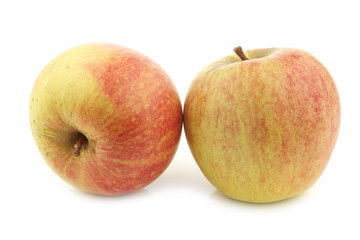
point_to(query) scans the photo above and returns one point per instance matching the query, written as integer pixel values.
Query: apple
(262, 124)
(106, 118)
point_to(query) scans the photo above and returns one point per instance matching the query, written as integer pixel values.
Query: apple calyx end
(238, 50)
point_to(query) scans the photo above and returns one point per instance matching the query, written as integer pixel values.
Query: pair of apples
(261, 124)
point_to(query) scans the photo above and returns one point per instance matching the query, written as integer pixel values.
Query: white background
(183, 37)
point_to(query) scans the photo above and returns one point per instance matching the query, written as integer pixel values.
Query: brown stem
(240, 53)
(78, 145)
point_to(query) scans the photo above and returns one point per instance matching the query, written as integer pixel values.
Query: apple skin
(123, 103)
(263, 129)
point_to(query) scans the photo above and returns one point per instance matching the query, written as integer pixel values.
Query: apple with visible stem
(262, 124)
(106, 118)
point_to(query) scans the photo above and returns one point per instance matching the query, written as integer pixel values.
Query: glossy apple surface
(106, 119)
(262, 125)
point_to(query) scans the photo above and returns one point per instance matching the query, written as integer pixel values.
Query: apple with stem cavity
(262, 124)
(106, 119)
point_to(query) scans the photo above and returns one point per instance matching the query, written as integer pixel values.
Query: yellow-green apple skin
(124, 104)
(263, 129)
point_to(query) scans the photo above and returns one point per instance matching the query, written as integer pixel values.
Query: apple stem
(78, 145)
(240, 53)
